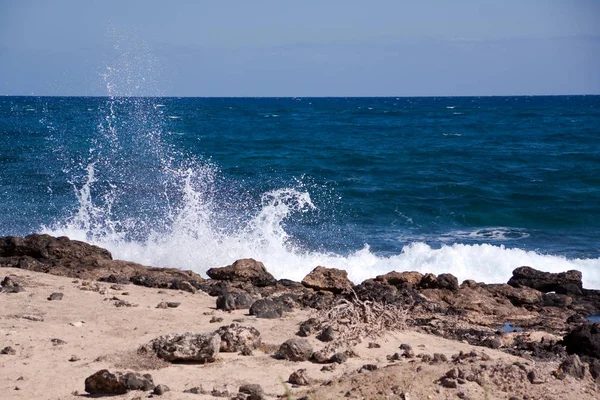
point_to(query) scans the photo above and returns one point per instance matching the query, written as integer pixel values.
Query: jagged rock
(254, 391)
(557, 300)
(447, 282)
(55, 296)
(568, 283)
(238, 338)
(244, 270)
(371, 290)
(299, 378)
(573, 366)
(328, 279)
(584, 340)
(266, 308)
(105, 382)
(295, 350)
(159, 390)
(409, 279)
(196, 347)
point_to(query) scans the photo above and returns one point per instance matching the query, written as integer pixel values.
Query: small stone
(534, 377)
(194, 390)
(125, 294)
(34, 318)
(254, 391)
(57, 342)
(373, 345)
(339, 358)
(173, 304)
(449, 383)
(159, 390)
(299, 378)
(409, 353)
(55, 296)
(74, 358)
(8, 350)
(246, 351)
(162, 304)
(327, 335)
(216, 320)
(328, 368)
(452, 373)
(77, 324)
(368, 367)
(405, 346)
(226, 302)
(187, 287)
(573, 366)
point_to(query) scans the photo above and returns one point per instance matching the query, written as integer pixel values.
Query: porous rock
(236, 337)
(568, 283)
(195, 347)
(105, 382)
(328, 279)
(295, 350)
(244, 270)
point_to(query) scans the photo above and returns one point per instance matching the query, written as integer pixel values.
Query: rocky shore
(76, 323)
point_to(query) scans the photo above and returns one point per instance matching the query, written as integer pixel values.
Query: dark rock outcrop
(244, 270)
(295, 350)
(267, 308)
(187, 347)
(584, 340)
(568, 283)
(328, 279)
(105, 382)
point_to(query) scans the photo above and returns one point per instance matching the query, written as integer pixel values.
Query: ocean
(473, 186)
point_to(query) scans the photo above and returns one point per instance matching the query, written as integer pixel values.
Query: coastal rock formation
(105, 382)
(568, 283)
(238, 338)
(244, 270)
(584, 340)
(195, 347)
(328, 279)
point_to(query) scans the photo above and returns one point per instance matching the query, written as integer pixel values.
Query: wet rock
(572, 366)
(295, 350)
(244, 270)
(373, 345)
(568, 283)
(254, 391)
(8, 350)
(584, 340)
(159, 390)
(328, 279)
(105, 382)
(266, 308)
(237, 338)
(194, 347)
(299, 378)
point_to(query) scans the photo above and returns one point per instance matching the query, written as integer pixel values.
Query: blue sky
(307, 48)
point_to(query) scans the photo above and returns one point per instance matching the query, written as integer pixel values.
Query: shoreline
(108, 311)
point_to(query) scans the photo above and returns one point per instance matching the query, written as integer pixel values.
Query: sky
(302, 48)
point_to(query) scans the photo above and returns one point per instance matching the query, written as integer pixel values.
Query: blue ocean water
(475, 186)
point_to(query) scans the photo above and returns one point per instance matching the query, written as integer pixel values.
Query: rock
(216, 320)
(8, 285)
(266, 308)
(368, 367)
(173, 304)
(534, 377)
(34, 318)
(405, 346)
(328, 279)
(55, 296)
(254, 391)
(568, 283)
(57, 342)
(226, 302)
(295, 350)
(573, 366)
(328, 334)
(299, 378)
(8, 350)
(308, 327)
(493, 342)
(449, 383)
(105, 382)
(194, 390)
(557, 300)
(74, 358)
(339, 358)
(584, 340)
(159, 390)
(196, 347)
(408, 279)
(162, 304)
(447, 282)
(185, 286)
(244, 270)
(371, 290)
(428, 282)
(238, 338)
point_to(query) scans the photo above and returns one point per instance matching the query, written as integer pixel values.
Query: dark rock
(449, 383)
(429, 281)
(299, 378)
(159, 390)
(368, 367)
(327, 335)
(339, 358)
(447, 282)
(254, 391)
(237, 338)
(295, 350)
(194, 347)
(8, 350)
(318, 301)
(405, 346)
(308, 327)
(377, 291)
(568, 283)
(243, 300)
(373, 345)
(577, 319)
(9, 285)
(408, 279)
(226, 302)
(557, 300)
(244, 270)
(534, 377)
(173, 304)
(584, 340)
(57, 342)
(266, 308)
(185, 286)
(105, 382)
(493, 342)
(162, 304)
(573, 366)
(328, 279)
(216, 320)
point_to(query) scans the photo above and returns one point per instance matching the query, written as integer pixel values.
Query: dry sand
(99, 335)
